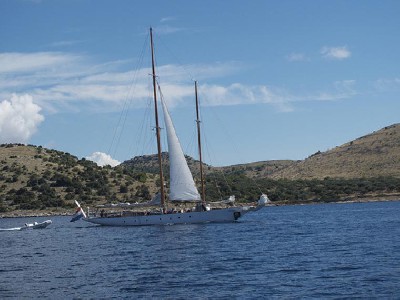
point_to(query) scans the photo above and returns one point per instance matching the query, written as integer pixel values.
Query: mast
(163, 204)
(203, 191)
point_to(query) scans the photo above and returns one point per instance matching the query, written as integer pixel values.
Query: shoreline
(64, 212)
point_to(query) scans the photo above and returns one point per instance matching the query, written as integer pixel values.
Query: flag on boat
(78, 214)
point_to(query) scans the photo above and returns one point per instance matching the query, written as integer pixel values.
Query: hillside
(149, 164)
(259, 169)
(373, 155)
(36, 179)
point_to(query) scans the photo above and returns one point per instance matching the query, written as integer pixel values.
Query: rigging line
(141, 132)
(124, 113)
(194, 137)
(213, 174)
(175, 58)
(190, 147)
(132, 89)
(233, 144)
(211, 162)
(156, 36)
(147, 146)
(205, 143)
(161, 41)
(164, 137)
(148, 139)
(145, 140)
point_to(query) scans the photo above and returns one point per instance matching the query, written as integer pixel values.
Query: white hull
(217, 215)
(37, 225)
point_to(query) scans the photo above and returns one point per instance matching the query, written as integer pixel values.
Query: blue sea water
(312, 251)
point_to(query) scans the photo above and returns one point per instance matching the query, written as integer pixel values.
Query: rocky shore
(70, 212)
(36, 213)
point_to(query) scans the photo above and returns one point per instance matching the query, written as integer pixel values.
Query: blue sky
(277, 79)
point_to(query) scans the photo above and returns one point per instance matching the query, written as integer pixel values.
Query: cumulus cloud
(103, 159)
(337, 53)
(19, 119)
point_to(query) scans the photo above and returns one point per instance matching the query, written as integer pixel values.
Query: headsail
(182, 186)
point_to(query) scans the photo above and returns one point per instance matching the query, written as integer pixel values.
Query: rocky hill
(35, 178)
(373, 155)
(376, 154)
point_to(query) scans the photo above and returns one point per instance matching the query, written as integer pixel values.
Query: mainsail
(182, 186)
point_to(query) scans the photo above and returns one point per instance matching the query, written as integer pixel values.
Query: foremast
(163, 202)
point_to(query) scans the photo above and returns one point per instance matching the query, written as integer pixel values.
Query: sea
(324, 251)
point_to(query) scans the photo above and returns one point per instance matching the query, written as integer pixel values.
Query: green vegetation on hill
(35, 178)
(310, 190)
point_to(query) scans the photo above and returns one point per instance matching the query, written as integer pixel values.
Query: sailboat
(182, 185)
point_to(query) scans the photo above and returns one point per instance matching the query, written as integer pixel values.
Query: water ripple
(320, 251)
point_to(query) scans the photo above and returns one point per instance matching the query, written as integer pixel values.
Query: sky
(277, 79)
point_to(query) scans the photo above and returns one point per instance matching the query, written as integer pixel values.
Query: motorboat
(36, 225)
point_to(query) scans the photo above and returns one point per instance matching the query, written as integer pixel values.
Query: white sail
(182, 186)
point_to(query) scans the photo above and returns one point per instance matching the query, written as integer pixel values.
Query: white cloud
(296, 57)
(337, 53)
(19, 119)
(386, 84)
(29, 62)
(65, 43)
(66, 82)
(167, 29)
(103, 159)
(346, 86)
(167, 19)
(236, 94)
(341, 90)
(63, 81)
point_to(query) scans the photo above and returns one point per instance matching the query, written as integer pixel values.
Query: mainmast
(203, 191)
(163, 203)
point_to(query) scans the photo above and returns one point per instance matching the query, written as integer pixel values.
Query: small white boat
(36, 225)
